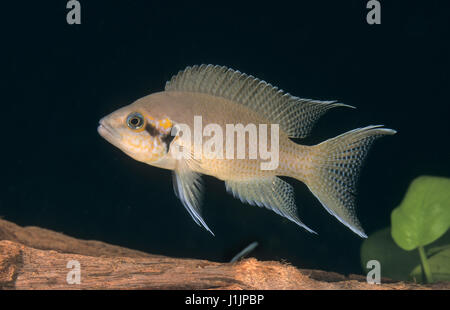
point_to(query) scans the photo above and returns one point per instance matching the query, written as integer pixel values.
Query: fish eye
(135, 121)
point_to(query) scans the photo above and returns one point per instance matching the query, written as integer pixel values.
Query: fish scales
(221, 111)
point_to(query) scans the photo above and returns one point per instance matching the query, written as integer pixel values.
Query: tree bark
(36, 258)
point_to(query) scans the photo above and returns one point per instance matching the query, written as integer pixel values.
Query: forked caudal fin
(335, 168)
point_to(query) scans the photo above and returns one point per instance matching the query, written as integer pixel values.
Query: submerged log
(37, 258)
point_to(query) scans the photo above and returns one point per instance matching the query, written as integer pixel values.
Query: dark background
(60, 79)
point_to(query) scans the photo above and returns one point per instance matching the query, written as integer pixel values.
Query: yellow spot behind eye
(165, 123)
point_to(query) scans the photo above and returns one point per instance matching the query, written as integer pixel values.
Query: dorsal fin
(296, 116)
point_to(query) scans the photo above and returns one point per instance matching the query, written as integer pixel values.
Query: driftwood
(36, 258)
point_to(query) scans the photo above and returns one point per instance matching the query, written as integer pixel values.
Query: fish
(155, 130)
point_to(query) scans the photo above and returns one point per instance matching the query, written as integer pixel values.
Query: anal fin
(271, 193)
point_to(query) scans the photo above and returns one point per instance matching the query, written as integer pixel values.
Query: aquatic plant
(421, 223)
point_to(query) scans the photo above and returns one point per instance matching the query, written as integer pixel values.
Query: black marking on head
(152, 131)
(167, 139)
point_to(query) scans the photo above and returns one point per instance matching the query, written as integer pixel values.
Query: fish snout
(107, 131)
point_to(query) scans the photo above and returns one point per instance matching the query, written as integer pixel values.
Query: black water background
(59, 80)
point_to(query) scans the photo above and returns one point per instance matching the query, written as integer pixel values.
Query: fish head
(137, 133)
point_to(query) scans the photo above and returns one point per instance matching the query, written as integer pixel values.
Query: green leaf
(434, 250)
(439, 265)
(395, 262)
(424, 214)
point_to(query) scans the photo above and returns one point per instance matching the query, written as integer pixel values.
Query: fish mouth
(107, 132)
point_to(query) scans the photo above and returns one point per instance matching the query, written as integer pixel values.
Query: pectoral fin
(188, 187)
(272, 193)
